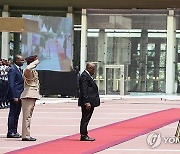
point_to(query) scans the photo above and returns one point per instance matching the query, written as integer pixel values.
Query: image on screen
(52, 44)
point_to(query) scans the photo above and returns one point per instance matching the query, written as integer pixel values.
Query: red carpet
(106, 136)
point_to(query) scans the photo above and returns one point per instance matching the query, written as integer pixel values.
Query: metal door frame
(121, 67)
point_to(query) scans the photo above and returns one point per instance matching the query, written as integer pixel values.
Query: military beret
(31, 58)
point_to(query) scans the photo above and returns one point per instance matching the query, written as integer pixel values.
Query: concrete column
(16, 44)
(134, 64)
(101, 45)
(83, 55)
(156, 66)
(102, 50)
(70, 12)
(5, 37)
(143, 60)
(71, 15)
(171, 51)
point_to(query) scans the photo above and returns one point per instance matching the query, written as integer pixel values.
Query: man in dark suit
(16, 86)
(88, 99)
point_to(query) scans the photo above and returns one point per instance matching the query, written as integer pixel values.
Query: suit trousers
(13, 117)
(86, 116)
(27, 108)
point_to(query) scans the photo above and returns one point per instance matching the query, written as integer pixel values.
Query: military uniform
(29, 96)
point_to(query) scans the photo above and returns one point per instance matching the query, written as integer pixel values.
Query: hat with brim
(31, 58)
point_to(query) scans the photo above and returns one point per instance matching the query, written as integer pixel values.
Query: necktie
(20, 70)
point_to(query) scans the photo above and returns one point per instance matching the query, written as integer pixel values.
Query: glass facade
(128, 47)
(178, 48)
(134, 39)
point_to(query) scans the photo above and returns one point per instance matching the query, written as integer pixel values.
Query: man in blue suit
(16, 86)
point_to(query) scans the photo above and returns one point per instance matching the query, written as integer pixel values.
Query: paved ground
(56, 117)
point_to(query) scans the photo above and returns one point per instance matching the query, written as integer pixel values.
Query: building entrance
(114, 79)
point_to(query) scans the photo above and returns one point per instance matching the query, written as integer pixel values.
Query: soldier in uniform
(29, 95)
(1, 85)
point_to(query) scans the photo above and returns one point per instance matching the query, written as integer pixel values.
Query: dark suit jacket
(88, 91)
(16, 83)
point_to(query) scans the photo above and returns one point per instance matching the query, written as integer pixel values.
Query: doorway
(114, 79)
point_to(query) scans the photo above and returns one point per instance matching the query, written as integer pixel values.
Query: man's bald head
(90, 67)
(19, 60)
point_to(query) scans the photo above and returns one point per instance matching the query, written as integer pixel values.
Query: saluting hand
(88, 106)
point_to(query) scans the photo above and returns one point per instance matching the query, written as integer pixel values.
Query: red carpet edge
(175, 117)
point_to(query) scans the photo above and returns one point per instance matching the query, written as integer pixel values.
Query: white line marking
(54, 135)
(101, 108)
(78, 112)
(46, 135)
(142, 150)
(34, 117)
(11, 147)
(56, 125)
(56, 108)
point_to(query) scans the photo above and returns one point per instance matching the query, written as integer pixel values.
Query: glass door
(114, 79)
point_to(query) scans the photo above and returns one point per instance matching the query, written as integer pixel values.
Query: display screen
(52, 44)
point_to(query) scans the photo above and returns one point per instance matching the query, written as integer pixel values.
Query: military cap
(31, 58)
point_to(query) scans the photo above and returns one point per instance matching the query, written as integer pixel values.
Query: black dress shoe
(13, 135)
(17, 134)
(86, 138)
(2, 107)
(29, 139)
